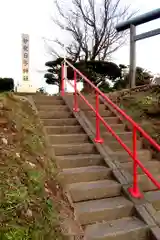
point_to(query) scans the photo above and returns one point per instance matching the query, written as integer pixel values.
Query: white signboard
(25, 57)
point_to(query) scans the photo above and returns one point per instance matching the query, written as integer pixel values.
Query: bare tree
(92, 24)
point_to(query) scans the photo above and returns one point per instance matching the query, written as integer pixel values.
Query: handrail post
(75, 108)
(98, 139)
(62, 79)
(134, 190)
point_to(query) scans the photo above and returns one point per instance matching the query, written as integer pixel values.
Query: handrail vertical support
(98, 139)
(134, 190)
(62, 80)
(75, 108)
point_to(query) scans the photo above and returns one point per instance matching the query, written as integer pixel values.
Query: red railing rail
(134, 190)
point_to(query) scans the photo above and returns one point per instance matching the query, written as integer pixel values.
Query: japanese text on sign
(25, 56)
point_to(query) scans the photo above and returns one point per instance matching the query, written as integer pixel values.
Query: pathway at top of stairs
(99, 204)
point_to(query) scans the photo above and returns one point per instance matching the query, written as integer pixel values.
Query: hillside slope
(143, 105)
(29, 209)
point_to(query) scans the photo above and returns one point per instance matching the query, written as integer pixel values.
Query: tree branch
(92, 27)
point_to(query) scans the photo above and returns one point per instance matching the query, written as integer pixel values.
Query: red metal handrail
(133, 190)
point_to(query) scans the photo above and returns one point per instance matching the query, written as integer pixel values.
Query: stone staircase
(116, 150)
(100, 203)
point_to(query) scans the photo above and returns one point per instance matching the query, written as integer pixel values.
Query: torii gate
(132, 23)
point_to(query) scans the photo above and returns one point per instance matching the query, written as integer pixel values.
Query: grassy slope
(144, 108)
(27, 209)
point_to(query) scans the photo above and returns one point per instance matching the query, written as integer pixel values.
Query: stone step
(81, 160)
(104, 113)
(84, 174)
(39, 100)
(26, 94)
(60, 122)
(49, 102)
(153, 166)
(68, 138)
(55, 114)
(74, 149)
(64, 129)
(115, 127)
(122, 156)
(109, 120)
(125, 136)
(103, 210)
(47, 107)
(92, 101)
(90, 96)
(85, 107)
(129, 228)
(47, 98)
(146, 184)
(115, 145)
(154, 198)
(93, 190)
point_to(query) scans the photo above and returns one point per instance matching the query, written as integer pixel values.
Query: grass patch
(144, 108)
(28, 209)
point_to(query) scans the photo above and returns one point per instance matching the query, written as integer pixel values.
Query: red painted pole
(75, 108)
(98, 139)
(62, 80)
(134, 190)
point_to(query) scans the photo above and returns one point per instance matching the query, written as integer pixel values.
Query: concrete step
(90, 96)
(60, 122)
(25, 94)
(74, 149)
(92, 101)
(154, 198)
(146, 184)
(116, 127)
(85, 107)
(53, 107)
(153, 166)
(130, 228)
(115, 145)
(81, 160)
(45, 97)
(122, 156)
(84, 174)
(64, 129)
(94, 190)
(109, 120)
(104, 113)
(55, 115)
(68, 138)
(48, 100)
(125, 136)
(103, 210)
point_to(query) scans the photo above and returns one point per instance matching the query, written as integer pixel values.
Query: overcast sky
(33, 17)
